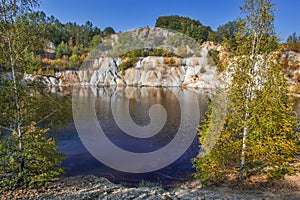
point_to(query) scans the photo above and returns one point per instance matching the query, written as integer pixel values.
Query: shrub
(127, 63)
(214, 59)
(40, 156)
(202, 70)
(170, 61)
(59, 64)
(62, 50)
(74, 61)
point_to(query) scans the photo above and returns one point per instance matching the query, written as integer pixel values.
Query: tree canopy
(185, 25)
(258, 136)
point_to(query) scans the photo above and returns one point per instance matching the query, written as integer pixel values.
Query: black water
(79, 161)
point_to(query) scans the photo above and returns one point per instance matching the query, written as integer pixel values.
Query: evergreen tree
(258, 135)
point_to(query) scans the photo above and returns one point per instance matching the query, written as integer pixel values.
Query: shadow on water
(79, 161)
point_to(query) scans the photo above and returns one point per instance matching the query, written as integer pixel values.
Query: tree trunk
(18, 108)
(245, 132)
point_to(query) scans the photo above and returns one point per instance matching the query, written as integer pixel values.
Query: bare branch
(6, 128)
(46, 117)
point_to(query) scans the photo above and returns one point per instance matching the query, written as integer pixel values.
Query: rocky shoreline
(91, 187)
(192, 72)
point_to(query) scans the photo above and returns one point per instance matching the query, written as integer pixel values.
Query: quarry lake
(79, 160)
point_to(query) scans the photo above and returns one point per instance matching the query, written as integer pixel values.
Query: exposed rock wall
(192, 72)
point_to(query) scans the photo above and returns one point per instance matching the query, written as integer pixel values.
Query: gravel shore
(91, 187)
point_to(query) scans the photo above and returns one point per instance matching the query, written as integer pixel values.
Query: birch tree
(27, 153)
(258, 137)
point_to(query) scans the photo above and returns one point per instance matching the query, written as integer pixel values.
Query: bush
(202, 70)
(59, 64)
(214, 59)
(41, 159)
(62, 50)
(170, 61)
(74, 61)
(127, 63)
(33, 63)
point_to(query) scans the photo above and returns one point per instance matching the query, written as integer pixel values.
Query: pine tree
(258, 135)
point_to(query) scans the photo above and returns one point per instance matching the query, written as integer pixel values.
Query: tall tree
(108, 31)
(226, 33)
(21, 139)
(14, 44)
(258, 136)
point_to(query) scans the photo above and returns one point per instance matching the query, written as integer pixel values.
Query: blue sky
(125, 15)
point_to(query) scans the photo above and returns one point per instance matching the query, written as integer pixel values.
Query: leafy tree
(74, 61)
(185, 25)
(258, 135)
(108, 31)
(33, 63)
(95, 41)
(293, 43)
(21, 139)
(292, 39)
(62, 50)
(38, 153)
(226, 33)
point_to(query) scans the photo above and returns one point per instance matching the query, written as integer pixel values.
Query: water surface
(80, 162)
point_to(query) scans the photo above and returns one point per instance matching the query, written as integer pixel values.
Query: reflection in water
(80, 162)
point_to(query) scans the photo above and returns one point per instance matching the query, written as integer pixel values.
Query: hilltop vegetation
(66, 45)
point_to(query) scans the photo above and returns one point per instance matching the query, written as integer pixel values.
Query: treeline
(185, 25)
(70, 33)
(293, 43)
(72, 42)
(198, 31)
(225, 33)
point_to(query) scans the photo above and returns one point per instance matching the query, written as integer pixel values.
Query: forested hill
(82, 38)
(190, 27)
(68, 44)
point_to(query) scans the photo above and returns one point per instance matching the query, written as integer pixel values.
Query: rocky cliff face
(291, 68)
(192, 72)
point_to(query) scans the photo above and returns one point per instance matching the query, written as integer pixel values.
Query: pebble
(90, 187)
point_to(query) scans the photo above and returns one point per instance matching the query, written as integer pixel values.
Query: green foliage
(62, 50)
(186, 26)
(108, 31)
(258, 135)
(33, 63)
(293, 42)
(95, 42)
(292, 39)
(226, 34)
(130, 58)
(149, 52)
(74, 61)
(170, 61)
(28, 153)
(41, 159)
(41, 113)
(214, 59)
(26, 39)
(128, 63)
(202, 70)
